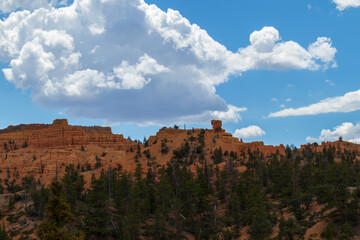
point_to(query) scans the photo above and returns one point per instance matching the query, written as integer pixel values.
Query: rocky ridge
(43, 150)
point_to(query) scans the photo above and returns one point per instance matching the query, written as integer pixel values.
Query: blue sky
(274, 71)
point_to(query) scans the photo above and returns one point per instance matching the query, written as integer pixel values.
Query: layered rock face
(59, 135)
(44, 150)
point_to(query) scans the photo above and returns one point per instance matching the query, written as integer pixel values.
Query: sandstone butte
(44, 150)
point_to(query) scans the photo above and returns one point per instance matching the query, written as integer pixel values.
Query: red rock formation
(61, 134)
(216, 124)
(339, 145)
(213, 139)
(44, 149)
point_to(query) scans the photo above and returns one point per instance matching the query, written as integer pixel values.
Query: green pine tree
(57, 224)
(97, 217)
(73, 185)
(3, 233)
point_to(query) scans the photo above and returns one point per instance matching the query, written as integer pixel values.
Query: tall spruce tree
(57, 224)
(73, 185)
(3, 233)
(122, 201)
(97, 217)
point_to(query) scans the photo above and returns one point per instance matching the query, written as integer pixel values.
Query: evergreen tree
(346, 232)
(73, 184)
(122, 200)
(28, 184)
(336, 178)
(237, 205)
(97, 217)
(165, 197)
(288, 229)
(57, 224)
(139, 206)
(260, 225)
(3, 233)
(329, 232)
(40, 197)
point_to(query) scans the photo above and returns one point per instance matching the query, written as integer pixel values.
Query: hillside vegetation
(196, 184)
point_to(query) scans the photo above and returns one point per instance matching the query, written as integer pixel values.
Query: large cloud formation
(125, 60)
(348, 103)
(348, 131)
(343, 4)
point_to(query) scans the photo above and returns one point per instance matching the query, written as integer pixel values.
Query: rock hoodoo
(60, 122)
(216, 124)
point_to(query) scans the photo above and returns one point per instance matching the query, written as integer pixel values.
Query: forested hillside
(302, 194)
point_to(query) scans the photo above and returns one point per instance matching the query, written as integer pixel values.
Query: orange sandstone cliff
(59, 135)
(338, 145)
(44, 150)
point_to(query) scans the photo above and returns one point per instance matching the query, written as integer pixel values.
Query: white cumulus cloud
(7, 6)
(321, 49)
(133, 77)
(12, 5)
(249, 132)
(267, 51)
(348, 131)
(348, 103)
(343, 4)
(126, 60)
